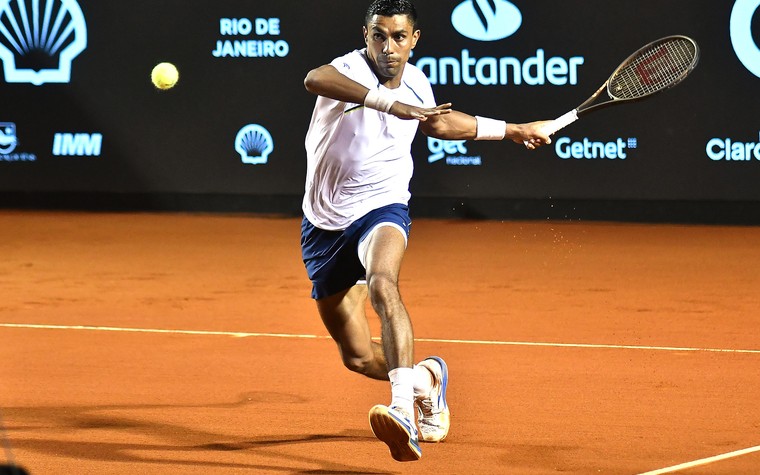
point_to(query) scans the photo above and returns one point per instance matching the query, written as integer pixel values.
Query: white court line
(705, 461)
(158, 330)
(590, 345)
(427, 340)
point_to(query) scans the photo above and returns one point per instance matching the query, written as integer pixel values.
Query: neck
(389, 82)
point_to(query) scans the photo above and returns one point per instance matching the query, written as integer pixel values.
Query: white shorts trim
(364, 243)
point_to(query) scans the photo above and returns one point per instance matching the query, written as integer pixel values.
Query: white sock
(402, 389)
(423, 381)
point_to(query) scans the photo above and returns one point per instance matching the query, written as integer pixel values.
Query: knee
(358, 364)
(383, 289)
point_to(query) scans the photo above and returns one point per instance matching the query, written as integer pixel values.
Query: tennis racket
(654, 68)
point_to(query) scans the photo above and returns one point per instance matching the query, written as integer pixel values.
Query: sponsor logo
(732, 150)
(8, 139)
(747, 50)
(587, 149)
(656, 68)
(491, 20)
(254, 144)
(38, 44)
(536, 70)
(8, 144)
(453, 151)
(486, 20)
(259, 47)
(77, 145)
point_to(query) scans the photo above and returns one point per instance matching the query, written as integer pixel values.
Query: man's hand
(530, 134)
(405, 111)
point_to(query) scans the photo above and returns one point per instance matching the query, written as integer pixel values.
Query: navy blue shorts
(332, 257)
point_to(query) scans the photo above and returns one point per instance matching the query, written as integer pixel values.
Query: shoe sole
(394, 433)
(444, 386)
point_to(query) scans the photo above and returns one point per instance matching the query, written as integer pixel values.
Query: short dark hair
(391, 8)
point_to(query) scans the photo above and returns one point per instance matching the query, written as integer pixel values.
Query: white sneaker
(396, 428)
(432, 410)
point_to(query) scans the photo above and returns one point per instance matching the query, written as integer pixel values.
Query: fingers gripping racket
(656, 67)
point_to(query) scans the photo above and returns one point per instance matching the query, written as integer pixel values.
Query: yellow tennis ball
(164, 76)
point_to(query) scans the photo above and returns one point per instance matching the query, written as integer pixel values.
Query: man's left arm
(460, 126)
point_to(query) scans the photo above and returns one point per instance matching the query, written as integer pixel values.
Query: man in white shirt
(356, 220)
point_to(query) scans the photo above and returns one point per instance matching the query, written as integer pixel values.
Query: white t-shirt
(359, 159)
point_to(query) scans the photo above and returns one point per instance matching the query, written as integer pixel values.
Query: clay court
(188, 344)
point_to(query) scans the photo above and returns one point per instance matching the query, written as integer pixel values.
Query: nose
(387, 46)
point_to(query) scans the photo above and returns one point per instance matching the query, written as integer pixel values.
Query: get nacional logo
(8, 139)
(8, 144)
(454, 151)
(38, 43)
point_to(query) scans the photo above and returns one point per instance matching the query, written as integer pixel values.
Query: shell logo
(254, 144)
(486, 20)
(39, 39)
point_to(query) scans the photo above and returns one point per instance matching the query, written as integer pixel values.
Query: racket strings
(654, 69)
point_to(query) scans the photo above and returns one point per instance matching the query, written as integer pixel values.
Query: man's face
(390, 41)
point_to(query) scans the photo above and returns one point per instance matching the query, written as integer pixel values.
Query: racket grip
(561, 122)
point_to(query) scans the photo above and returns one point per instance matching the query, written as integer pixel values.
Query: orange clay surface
(188, 344)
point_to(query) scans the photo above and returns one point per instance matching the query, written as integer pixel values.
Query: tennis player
(356, 220)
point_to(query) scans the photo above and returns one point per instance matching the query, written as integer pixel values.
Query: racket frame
(589, 104)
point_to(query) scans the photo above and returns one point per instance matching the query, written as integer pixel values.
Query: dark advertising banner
(78, 112)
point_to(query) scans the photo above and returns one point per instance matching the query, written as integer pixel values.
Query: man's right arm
(327, 81)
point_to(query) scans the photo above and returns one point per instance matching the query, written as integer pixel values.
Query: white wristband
(379, 100)
(490, 129)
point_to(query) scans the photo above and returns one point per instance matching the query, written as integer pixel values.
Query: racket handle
(561, 122)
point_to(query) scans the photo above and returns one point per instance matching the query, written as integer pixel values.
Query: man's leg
(385, 252)
(393, 424)
(344, 317)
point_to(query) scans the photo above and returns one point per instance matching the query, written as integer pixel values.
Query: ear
(415, 38)
(365, 32)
